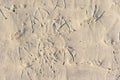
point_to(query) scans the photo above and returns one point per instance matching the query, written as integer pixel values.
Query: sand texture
(59, 39)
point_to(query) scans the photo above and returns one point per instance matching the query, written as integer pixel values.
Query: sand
(59, 40)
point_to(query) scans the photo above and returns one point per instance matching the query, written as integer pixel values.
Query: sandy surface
(59, 40)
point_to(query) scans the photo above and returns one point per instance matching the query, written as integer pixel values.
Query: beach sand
(59, 40)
